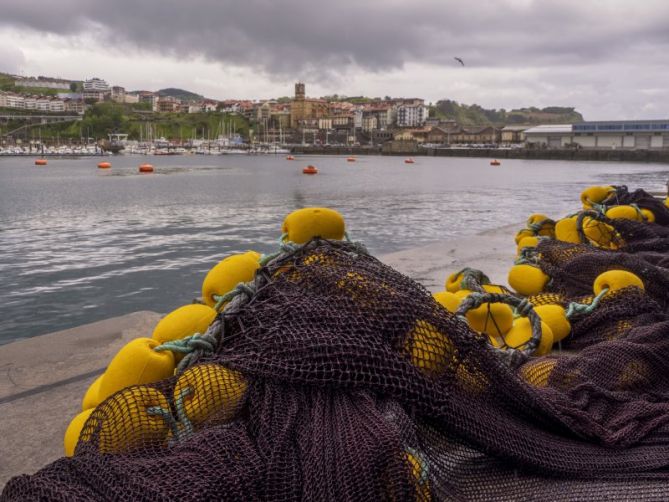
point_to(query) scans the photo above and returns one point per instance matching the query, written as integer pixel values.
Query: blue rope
(193, 346)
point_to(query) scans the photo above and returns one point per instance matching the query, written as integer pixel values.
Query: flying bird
(460, 61)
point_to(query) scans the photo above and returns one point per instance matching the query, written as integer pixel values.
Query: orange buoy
(409, 161)
(104, 165)
(290, 157)
(310, 170)
(495, 162)
(146, 168)
(350, 159)
(40, 162)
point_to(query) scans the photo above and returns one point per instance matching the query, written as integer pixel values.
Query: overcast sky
(608, 58)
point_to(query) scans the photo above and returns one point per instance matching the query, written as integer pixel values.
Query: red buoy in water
(310, 170)
(104, 165)
(350, 159)
(409, 161)
(146, 168)
(290, 157)
(495, 162)
(40, 162)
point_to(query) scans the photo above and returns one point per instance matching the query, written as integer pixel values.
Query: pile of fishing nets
(319, 373)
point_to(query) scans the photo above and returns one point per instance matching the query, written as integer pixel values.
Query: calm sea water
(79, 244)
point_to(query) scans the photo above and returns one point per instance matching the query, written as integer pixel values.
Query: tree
(73, 86)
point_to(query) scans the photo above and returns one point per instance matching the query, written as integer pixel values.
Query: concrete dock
(43, 379)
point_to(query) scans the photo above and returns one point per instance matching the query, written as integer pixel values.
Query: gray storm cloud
(298, 37)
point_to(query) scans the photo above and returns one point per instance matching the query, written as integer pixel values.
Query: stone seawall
(660, 156)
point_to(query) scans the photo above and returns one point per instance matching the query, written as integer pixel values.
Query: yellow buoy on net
(648, 215)
(522, 233)
(601, 234)
(210, 391)
(136, 363)
(92, 396)
(183, 322)
(74, 431)
(527, 242)
(614, 280)
(493, 319)
(521, 333)
(624, 213)
(527, 280)
(225, 276)
(555, 317)
(431, 351)
(450, 301)
(133, 419)
(566, 230)
(304, 224)
(536, 372)
(595, 195)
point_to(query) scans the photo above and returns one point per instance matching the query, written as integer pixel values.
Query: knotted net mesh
(339, 378)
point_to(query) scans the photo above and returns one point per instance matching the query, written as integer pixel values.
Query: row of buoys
(123, 393)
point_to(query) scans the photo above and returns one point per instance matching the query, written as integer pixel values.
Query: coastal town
(50, 115)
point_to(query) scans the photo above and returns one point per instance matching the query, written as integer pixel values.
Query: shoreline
(43, 379)
(641, 156)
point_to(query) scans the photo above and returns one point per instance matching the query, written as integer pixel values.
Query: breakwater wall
(660, 156)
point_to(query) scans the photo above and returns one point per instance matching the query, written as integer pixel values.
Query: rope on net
(472, 279)
(577, 309)
(535, 227)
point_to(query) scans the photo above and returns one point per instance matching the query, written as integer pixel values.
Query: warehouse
(620, 134)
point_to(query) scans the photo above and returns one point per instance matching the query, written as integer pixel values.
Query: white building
(604, 135)
(118, 94)
(43, 82)
(15, 101)
(413, 115)
(96, 84)
(131, 98)
(3, 99)
(56, 105)
(30, 102)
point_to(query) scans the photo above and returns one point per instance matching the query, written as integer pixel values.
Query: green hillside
(180, 94)
(477, 115)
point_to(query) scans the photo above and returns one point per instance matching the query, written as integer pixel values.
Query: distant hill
(180, 94)
(477, 115)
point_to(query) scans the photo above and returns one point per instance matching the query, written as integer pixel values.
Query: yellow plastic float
(601, 234)
(556, 319)
(229, 272)
(521, 333)
(595, 195)
(450, 301)
(624, 213)
(566, 230)
(431, 351)
(648, 215)
(492, 319)
(210, 390)
(74, 431)
(522, 233)
(304, 224)
(183, 322)
(92, 396)
(527, 280)
(614, 280)
(527, 242)
(136, 363)
(127, 423)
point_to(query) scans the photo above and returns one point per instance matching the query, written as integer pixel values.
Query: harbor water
(79, 244)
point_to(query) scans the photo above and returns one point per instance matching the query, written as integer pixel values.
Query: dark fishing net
(642, 199)
(338, 378)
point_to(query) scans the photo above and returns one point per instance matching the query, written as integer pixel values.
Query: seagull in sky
(459, 61)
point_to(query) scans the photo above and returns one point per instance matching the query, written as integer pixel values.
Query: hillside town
(397, 124)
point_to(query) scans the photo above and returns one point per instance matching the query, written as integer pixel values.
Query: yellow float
(74, 431)
(601, 234)
(305, 224)
(450, 301)
(210, 390)
(648, 215)
(614, 280)
(624, 213)
(136, 363)
(431, 351)
(556, 319)
(522, 233)
(92, 396)
(527, 280)
(127, 423)
(537, 372)
(521, 333)
(527, 242)
(493, 319)
(595, 195)
(566, 230)
(184, 321)
(229, 272)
